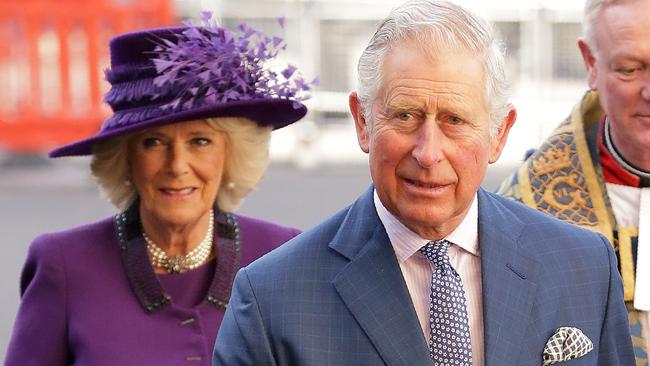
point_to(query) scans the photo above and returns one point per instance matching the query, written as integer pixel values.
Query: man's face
(620, 71)
(429, 140)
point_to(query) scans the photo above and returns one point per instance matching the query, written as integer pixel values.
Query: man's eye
(405, 116)
(628, 71)
(455, 120)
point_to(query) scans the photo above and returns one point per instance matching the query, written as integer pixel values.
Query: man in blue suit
(425, 267)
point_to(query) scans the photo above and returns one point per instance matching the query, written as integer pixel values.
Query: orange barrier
(52, 57)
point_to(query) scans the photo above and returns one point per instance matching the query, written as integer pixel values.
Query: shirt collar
(405, 242)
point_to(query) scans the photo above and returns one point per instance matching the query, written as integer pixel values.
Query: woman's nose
(178, 160)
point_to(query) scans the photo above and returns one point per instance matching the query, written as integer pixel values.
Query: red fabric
(612, 171)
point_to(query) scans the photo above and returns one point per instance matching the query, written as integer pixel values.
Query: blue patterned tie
(449, 342)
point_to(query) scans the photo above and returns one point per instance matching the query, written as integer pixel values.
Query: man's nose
(645, 88)
(428, 148)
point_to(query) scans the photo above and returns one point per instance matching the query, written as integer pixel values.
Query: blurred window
(342, 42)
(510, 35)
(566, 59)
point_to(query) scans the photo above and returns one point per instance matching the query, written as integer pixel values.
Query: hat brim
(265, 112)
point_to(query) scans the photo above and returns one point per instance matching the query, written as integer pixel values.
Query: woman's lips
(178, 192)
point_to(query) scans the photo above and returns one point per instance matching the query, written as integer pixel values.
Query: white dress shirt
(631, 206)
(465, 257)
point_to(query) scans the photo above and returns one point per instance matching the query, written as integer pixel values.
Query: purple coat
(90, 296)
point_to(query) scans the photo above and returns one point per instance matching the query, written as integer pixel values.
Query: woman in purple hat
(193, 109)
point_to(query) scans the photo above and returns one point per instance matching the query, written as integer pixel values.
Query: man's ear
(360, 123)
(590, 63)
(499, 141)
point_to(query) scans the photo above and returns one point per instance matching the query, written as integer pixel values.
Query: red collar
(612, 171)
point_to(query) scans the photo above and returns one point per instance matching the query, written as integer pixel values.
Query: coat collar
(373, 288)
(143, 279)
(509, 280)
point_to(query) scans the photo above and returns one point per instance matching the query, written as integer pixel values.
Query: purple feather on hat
(171, 75)
(232, 66)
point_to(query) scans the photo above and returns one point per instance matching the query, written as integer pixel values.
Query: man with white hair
(425, 267)
(594, 169)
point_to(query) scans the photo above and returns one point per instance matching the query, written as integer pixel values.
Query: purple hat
(169, 75)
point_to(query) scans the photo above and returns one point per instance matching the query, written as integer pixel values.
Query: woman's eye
(201, 141)
(151, 142)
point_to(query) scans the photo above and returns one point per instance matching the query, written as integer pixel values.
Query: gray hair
(591, 11)
(442, 23)
(247, 158)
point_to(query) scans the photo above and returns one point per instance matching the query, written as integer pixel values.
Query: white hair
(247, 158)
(438, 23)
(591, 12)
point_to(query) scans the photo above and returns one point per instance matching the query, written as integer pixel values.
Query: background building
(52, 54)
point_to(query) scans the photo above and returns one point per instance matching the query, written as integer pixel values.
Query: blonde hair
(247, 158)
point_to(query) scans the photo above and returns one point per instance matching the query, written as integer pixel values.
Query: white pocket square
(566, 344)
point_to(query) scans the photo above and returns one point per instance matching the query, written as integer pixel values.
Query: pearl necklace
(182, 263)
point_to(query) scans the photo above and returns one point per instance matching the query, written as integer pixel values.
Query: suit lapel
(509, 282)
(373, 288)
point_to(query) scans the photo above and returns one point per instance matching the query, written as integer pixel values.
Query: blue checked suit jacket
(335, 295)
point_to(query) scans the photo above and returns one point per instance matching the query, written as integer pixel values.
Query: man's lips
(425, 185)
(643, 116)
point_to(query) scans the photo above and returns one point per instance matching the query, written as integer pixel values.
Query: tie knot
(436, 252)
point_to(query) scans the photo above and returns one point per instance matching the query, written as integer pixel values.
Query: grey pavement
(38, 196)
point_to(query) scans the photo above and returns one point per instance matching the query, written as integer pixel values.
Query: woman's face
(177, 170)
